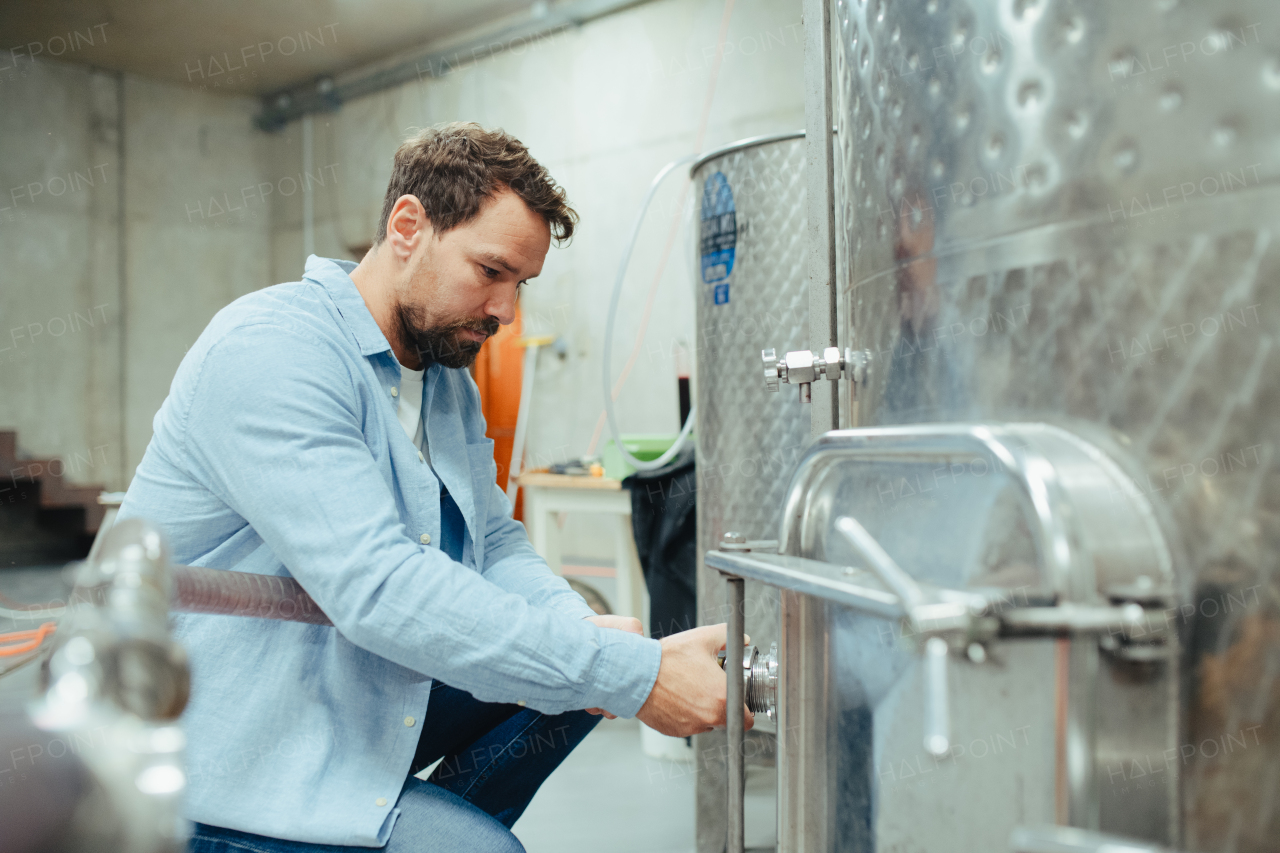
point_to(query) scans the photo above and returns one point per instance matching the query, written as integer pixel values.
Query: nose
(502, 304)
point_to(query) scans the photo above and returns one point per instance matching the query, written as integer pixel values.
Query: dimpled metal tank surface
(1066, 212)
(751, 294)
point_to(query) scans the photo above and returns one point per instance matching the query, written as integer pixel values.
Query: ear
(407, 227)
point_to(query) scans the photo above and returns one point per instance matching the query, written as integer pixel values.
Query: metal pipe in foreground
(198, 589)
(204, 590)
(734, 699)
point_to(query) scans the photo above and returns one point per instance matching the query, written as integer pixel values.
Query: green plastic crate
(643, 446)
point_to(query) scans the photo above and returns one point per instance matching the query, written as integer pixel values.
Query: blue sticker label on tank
(718, 234)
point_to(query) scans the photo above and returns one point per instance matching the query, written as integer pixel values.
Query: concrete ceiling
(237, 46)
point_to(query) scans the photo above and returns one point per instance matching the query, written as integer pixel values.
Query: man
(328, 429)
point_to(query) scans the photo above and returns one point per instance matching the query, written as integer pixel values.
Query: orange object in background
(25, 641)
(499, 371)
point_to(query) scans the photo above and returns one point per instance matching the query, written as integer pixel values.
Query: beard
(442, 343)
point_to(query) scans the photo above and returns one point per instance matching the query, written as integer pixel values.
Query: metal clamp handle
(878, 560)
(923, 617)
(937, 715)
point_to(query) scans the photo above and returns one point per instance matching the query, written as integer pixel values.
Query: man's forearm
(527, 575)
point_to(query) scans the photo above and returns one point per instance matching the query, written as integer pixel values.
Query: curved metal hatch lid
(1022, 506)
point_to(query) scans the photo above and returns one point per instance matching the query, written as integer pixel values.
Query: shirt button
(425, 539)
(421, 458)
(520, 703)
(381, 801)
(408, 721)
(395, 392)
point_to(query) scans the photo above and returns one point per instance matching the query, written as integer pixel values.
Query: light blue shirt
(278, 451)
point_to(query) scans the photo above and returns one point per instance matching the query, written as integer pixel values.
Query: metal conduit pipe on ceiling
(327, 94)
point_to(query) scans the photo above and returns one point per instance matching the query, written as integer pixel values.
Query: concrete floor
(609, 795)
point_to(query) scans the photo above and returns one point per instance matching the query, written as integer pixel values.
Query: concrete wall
(604, 107)
(112, 255)
(194, 208)
(196, 236)
(60, 300)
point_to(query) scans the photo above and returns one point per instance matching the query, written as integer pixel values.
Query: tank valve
(803, 367)
(759, 679)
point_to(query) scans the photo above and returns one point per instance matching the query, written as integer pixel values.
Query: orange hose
(34, 639)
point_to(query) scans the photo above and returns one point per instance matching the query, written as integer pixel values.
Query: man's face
(462, 283)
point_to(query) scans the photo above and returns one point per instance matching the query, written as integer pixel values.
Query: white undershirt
(409, 408)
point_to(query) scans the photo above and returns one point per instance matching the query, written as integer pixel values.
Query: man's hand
(689, 694)
(620, 623)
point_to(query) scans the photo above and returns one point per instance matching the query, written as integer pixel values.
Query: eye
(489, 272)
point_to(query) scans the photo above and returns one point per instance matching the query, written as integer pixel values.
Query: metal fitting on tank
(803, 368)
(759, 679)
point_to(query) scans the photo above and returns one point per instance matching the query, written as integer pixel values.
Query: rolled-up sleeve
(273, 428)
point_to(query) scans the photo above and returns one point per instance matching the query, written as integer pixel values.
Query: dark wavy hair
(453, 168)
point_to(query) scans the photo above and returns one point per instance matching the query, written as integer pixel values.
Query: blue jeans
(494, 759)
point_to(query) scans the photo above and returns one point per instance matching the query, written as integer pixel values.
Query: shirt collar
(335, 277)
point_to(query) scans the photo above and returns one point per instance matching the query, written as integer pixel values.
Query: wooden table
(546, 495)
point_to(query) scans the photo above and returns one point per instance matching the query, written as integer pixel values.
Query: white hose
(34, 614)
(638, 464)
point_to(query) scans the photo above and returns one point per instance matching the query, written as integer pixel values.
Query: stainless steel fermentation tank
(1035, 579)
(751, 294)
